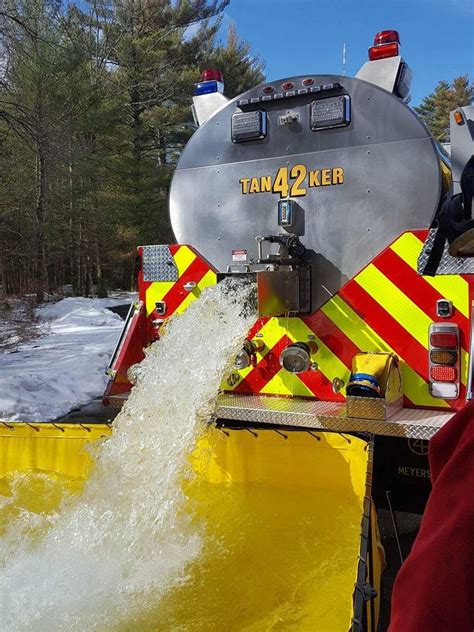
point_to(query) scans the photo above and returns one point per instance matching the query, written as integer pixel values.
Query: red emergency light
(386, 44)
(212, 74)
(386, 37)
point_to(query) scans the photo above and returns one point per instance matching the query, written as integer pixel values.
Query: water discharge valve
(296, 358)
(246, 355)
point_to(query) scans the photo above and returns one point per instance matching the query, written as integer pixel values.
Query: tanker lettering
(265, 184)
(293, 182)
(254, 186)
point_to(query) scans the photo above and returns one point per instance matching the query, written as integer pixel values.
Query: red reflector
(308, 82)
(212, 74)
(386, 37)
(267, 89)
(288, 85)
(383, 51)
(443, 373)
(441, 339)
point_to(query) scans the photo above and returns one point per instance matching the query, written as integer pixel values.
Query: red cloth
(434, 590)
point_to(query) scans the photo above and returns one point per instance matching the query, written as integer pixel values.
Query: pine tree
(94, 113)
(435, 108)
(152, 59)
(32, 41)
(242, 70)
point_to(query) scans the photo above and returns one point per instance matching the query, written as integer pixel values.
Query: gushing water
(111, 552)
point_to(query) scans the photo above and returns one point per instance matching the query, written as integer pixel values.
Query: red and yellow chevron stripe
(191, 268)
(386, 307)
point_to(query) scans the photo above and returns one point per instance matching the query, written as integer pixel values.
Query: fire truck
(325, 191)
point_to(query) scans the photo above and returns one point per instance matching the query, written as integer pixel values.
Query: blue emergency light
(211, 81)
(206, 87)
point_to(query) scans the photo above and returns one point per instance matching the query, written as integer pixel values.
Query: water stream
(110, 553)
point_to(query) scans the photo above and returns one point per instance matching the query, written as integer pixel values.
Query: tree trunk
(41, 272)
(71, 225)
(80, 284)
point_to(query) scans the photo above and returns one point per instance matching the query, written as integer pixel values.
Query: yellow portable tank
(289, 533)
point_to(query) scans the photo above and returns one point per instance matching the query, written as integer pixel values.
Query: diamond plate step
(307, 413)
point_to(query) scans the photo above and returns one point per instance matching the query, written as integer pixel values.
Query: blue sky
(306, 36)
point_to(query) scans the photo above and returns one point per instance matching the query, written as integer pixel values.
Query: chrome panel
(346, 225)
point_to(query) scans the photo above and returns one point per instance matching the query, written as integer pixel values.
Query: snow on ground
(44, 378)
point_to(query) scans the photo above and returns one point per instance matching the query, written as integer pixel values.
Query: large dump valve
(284, 287)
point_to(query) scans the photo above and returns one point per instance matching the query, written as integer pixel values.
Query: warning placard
(239, 255)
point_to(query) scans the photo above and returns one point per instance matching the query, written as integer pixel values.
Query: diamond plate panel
(372, 408)
(448, 264)
(413, 423)
(158, 264)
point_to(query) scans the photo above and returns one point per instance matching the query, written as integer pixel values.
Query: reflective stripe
(190, 268)
(395, 302)
(155, 293)
(364, 337)
(329, 364)
(266, 369)
(183, 258)
(413, 319)
(277, 333)
(453, 287)
(208, 279)
(286, 383)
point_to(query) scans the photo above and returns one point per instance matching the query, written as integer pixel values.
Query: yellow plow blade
(288, 530)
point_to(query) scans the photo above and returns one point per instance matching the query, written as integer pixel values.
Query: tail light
(386, 44)
(444, 339)
(444, 360)
(444, 373)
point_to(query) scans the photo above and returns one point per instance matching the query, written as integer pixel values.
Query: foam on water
(111, 552)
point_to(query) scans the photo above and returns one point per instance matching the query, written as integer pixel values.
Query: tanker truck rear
(322, 190)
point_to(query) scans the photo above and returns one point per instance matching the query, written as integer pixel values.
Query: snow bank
(45, 378)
